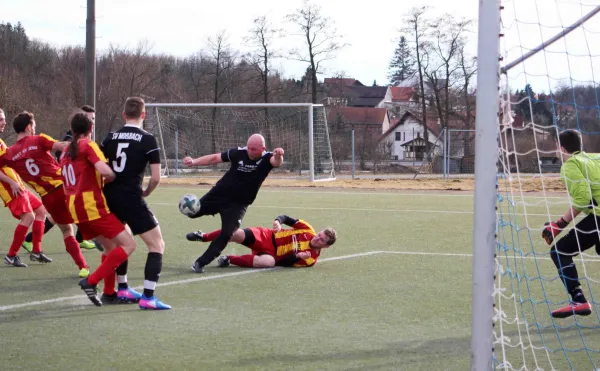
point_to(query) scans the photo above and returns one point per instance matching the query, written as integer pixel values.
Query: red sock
(207, 237)
(72, 247)
(37, 232)
(108, 266)
(18, 239)
(109, 281)
(245, 261)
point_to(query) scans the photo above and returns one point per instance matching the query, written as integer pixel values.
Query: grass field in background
(394, 293)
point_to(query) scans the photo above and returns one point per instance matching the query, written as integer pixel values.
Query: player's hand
(16, 189)
(553, 229)
(188, 161)
(303, 255)
(278, 152)
(276, 226)
(145, 193)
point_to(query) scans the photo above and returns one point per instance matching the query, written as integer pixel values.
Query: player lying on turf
(23, 205)
(581, 173)
(299, 246)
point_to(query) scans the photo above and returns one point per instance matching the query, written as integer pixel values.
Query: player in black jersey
(235, 191)
(128, 151)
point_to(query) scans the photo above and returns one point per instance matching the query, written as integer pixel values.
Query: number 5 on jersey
(69, 175)
(121, 158)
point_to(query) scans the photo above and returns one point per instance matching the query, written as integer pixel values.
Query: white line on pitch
(586, 259)
(359, 209)
(180, 282)
(336, 208)
(403, 193)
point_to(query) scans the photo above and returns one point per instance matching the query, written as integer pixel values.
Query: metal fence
(404, 154)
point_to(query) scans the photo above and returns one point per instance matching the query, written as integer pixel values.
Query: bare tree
(447, 43)
(468, 68)
(322, 41)
(261, 38)
(223, 61)
(415, 29)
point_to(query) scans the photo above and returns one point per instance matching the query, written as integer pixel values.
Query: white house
(407, 136)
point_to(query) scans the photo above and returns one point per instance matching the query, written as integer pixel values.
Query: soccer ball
(189, 205)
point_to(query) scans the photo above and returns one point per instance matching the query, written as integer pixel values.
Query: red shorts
(25, 203)
(56, 205)
(263, 243)
(107, 226)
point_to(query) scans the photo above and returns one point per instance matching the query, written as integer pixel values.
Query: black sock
(577, 295)
(152, 273)
(122, 271)
(78, 236)
(47, 226)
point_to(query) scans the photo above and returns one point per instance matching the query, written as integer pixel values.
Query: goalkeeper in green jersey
(581, 174)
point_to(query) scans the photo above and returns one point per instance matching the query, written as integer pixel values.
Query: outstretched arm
(277, 158)
(204, 160)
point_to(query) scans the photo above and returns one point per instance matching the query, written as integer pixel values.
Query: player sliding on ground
(235, 191)
(581, 174)
(30, 158)
(23, 205)
(299, 246)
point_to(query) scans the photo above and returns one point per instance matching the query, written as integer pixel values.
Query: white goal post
(197, 129)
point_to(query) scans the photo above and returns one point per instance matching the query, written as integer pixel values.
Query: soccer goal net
(548, 77)
(201, 129)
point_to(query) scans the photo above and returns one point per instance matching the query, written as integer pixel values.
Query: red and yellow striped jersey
(295, 240)
(83, 183)
(31, 159)
(5, 192)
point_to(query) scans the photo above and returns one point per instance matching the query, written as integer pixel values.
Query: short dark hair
(331, 236)
(570, 140)
(134, 106)
(87, 108)
(22, 121)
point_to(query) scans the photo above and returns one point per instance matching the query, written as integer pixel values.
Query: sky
(181, 28)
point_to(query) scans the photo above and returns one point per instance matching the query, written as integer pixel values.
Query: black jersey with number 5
(128, 151)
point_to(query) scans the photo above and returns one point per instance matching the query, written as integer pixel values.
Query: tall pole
(486, 150)
(90, 57)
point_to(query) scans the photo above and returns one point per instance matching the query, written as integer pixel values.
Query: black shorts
(133, 211)
(212, 205)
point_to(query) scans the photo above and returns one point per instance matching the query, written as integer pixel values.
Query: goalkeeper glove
(552, 229)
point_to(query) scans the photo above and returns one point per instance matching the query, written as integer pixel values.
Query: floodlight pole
(90, 57)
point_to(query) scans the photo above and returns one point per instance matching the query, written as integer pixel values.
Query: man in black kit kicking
(235, 191)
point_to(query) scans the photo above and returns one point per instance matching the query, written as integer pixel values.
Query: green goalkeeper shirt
(581, 175)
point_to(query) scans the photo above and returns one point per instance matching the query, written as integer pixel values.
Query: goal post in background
(187, 129)
(539, 63)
